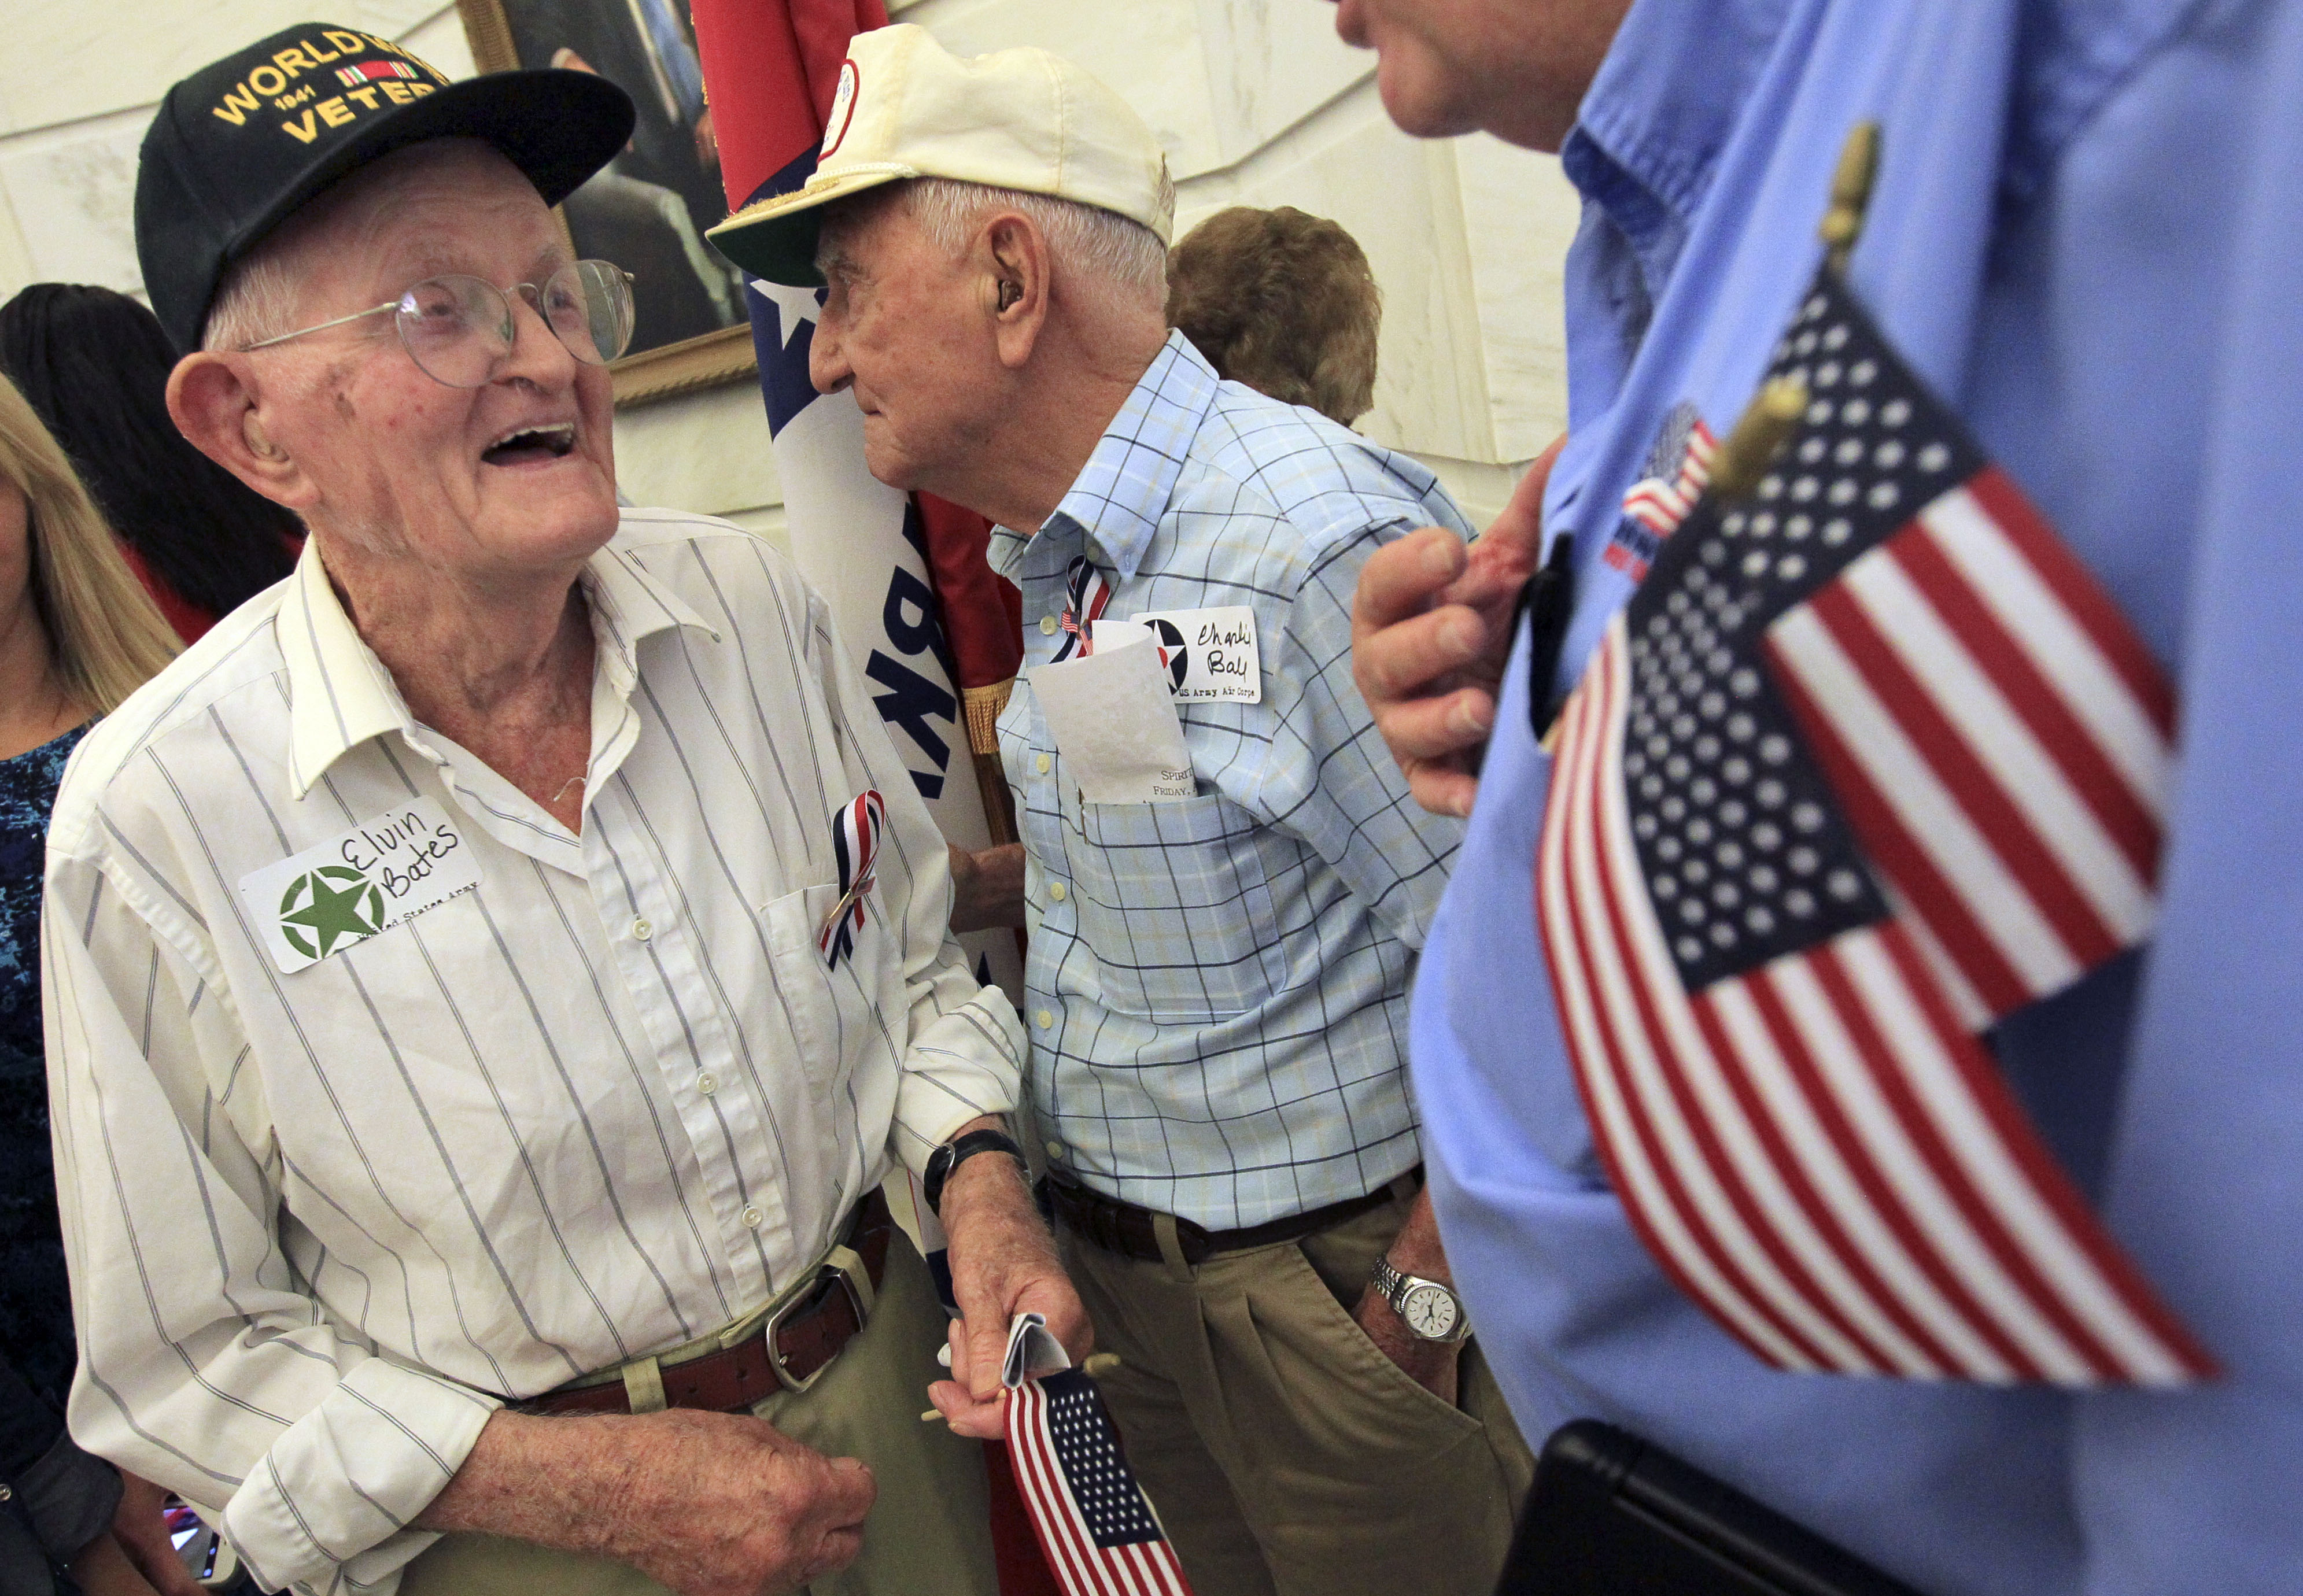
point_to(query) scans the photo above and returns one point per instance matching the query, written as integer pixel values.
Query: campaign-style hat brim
(557, 127)
(774, 239)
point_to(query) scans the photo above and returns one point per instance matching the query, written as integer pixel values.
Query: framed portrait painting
(648, 209)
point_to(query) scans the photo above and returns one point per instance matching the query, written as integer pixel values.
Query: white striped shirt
(319, 1222)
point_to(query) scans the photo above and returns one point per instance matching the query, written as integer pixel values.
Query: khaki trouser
(1287, 1455)
(928, 1532)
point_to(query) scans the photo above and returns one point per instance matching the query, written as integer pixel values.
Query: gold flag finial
(1762, 429)
(1851, 192)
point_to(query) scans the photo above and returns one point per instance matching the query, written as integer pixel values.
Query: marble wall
(1257, 101)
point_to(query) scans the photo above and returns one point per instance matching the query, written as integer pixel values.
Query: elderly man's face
(1517, 68)
(515, 475)
(902, 325)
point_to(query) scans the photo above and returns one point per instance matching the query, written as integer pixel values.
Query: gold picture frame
(689, 364)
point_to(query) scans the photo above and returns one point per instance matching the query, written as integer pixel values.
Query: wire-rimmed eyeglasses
(459, 330)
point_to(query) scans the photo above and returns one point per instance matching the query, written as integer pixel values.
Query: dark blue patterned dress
(35, 1333)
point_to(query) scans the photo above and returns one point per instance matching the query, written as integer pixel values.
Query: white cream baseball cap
(908, 107)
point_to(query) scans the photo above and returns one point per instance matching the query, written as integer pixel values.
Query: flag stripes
(1133, 1567)
(1840, 1100)
(2026, 850)
(1660, 505)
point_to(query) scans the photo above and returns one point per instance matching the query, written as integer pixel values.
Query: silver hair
(255, 301)
(1123, 257)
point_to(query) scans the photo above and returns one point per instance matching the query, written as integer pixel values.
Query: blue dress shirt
(1217, 990)
(2087, 233)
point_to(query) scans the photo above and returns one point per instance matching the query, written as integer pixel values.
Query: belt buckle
(770, 1330)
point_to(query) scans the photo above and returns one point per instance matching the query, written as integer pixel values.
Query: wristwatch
(949, 1157)
(1430, 1311)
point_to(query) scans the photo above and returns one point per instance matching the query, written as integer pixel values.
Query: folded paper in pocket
(1115, 724)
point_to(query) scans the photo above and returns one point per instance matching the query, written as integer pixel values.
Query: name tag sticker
(359, 884)
(1210, 653)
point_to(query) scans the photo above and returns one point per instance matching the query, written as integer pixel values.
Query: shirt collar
(341, 695)
(1648, 134)
(1119, 496)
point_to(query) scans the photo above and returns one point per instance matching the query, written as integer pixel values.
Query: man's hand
(143, 1536)
(987, 888)
(1415, 1250)
(1003, 1264)
(1430, 633)
(709, 1504)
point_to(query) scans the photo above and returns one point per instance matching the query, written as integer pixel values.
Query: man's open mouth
(530, 445)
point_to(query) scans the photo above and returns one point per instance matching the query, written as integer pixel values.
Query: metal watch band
(1394, 1287)
(949, 1157)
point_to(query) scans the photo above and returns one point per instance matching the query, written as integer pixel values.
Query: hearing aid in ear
(1009, 293)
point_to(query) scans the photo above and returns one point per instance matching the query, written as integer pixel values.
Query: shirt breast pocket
(1176, 905)
(834, 1008)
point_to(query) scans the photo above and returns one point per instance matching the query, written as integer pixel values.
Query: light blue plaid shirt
(1218, 988)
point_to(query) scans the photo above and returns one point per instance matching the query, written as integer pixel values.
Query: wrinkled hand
(987, 888)
(1003, 1264)
(143, 1536)
(1430, 633)
(709, 1504)
(726, 1505)
(1430, 1364)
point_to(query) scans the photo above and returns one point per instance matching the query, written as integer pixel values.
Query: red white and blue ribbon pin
(1086, 595)
(857, 827)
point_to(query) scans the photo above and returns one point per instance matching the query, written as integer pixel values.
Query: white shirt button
(1042, 763)
(1055, 1149)
(1047, 626)
(1056, 891)
(1043, 1020)
(642, 929)
(708, 1084)
(752, 1218)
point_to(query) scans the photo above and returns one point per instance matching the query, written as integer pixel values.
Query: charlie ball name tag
(354, 886)
(1210, 653)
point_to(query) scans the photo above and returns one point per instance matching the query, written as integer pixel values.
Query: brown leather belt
(1132, 1232)
(788, 1351)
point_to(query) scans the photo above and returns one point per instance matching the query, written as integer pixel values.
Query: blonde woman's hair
(105, 637)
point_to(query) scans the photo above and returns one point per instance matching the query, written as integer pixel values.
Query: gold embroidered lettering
(237, 103)
(304, 129)
(335, 112)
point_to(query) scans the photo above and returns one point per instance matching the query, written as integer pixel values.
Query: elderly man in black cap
(491, 973)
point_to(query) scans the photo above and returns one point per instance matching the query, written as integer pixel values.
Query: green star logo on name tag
(324, 906)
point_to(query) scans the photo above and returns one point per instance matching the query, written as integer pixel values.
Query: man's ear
(1015, 257)
(215, 403)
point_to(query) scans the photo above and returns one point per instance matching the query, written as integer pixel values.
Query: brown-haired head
(1282, 301)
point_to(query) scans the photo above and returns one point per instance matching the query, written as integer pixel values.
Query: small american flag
(1868, 761)
(1676, 474)
(1094, 1523)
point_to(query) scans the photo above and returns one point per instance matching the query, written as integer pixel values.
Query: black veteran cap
(240, 145)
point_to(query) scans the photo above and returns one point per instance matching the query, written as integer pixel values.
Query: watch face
(1430, 1312)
